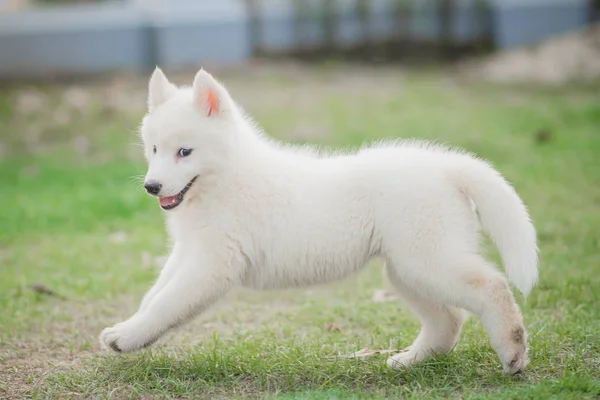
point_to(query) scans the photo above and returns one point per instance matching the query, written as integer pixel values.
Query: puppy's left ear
(159, 89)
(210, 97)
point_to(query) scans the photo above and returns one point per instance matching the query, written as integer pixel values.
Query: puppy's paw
(125, 337)
(402, 360)
(517, 363)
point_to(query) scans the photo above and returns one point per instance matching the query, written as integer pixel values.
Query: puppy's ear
(159, 89)
(210, 97)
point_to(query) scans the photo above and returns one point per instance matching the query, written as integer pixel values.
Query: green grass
(77, 222)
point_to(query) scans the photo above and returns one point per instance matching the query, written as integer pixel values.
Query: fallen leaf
(28, 102)
(382, 295)
(118, 237)
(41, 289)
(146, 260)
(558, 315)
(332, 326)
(77, 98)
(542, 136)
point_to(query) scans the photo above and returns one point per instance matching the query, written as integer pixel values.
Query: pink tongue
(167, 201)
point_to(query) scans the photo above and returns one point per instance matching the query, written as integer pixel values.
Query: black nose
(152, 187)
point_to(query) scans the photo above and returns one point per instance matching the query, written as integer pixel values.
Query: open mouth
(170, 202)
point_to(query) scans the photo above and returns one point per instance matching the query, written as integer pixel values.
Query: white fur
(264, 215)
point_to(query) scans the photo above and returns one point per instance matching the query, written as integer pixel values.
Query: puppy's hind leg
(471, 283)
(441, 326)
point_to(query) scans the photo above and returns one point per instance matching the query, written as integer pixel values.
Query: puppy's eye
(154, 149)
(184, 152)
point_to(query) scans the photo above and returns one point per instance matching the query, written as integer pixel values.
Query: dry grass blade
(382, 296)
(362, 353)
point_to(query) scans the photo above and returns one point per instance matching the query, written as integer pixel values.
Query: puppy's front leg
(195, 285)
(167, 272)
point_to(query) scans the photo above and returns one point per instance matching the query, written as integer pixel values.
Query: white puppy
(243, 209)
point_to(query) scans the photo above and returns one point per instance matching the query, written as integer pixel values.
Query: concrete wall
(179, 33)
(518, 22)
(215, 33)
(78, 39)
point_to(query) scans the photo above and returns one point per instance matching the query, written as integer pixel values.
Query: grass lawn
(76, 222)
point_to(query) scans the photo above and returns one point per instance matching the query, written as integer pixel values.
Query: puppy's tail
(505, 218)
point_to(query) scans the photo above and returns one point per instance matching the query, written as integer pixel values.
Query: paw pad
(113, 345)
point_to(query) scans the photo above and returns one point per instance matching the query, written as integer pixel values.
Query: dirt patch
(574, 57)
(64, 342)
(69, 340)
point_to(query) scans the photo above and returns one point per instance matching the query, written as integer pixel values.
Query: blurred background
(514, 81)
(58, 37)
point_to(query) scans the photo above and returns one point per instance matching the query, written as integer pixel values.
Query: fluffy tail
(505, 218)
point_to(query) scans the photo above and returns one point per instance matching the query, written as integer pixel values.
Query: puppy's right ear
(210, 97)
(159, 89)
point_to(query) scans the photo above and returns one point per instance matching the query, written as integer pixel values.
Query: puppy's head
(185, 135)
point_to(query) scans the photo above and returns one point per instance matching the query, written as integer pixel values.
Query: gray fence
(368, 29)
(108, 36)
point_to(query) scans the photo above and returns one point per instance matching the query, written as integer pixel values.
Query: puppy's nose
(152, 187)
